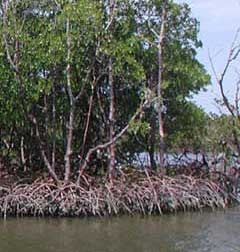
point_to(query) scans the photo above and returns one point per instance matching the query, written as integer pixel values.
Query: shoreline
(136, 193)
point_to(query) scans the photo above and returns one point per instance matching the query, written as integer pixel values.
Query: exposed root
(141, 192)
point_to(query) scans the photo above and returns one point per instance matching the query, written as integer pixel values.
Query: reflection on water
(186, 232)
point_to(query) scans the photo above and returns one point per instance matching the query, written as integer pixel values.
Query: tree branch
(107, 144)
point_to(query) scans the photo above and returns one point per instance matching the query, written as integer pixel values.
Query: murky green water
(209, 231)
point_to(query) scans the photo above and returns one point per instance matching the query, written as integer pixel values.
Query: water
(143, 159)
(186, 232)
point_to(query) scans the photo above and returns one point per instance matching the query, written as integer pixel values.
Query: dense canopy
(79, 83)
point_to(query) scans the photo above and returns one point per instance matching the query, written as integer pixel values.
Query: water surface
(208, 231)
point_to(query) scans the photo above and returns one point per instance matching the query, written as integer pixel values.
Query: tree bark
(112, 152)
(90, 107)
(152, 141)
(53, 127)
(23, 159)
(68, 153)
(160, 85)
(45, 98)
(111, 149)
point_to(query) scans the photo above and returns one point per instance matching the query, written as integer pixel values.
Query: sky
(219, 22)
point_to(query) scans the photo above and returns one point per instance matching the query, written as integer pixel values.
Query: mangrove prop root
(136, 192)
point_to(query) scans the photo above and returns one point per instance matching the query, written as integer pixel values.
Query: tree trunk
(112, 155)
(152, 141)
(68, 153)
(236, 137)
(23, 159)
(111, 149)
(85, 135)
(160, 85)
(45, 98)
(53, 127)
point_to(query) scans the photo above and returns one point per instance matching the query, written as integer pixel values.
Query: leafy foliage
(34, 96)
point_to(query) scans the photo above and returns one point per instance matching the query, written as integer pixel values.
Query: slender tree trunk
(87, 122)
(112, 155)
(235, 135)
(152, 140)
(54, 122)
(160, 84)
(46, 124)
(68, 153)
(112, 148)
(53, 127)
(23, 159)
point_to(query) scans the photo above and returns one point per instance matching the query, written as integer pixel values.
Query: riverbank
(142, 192)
